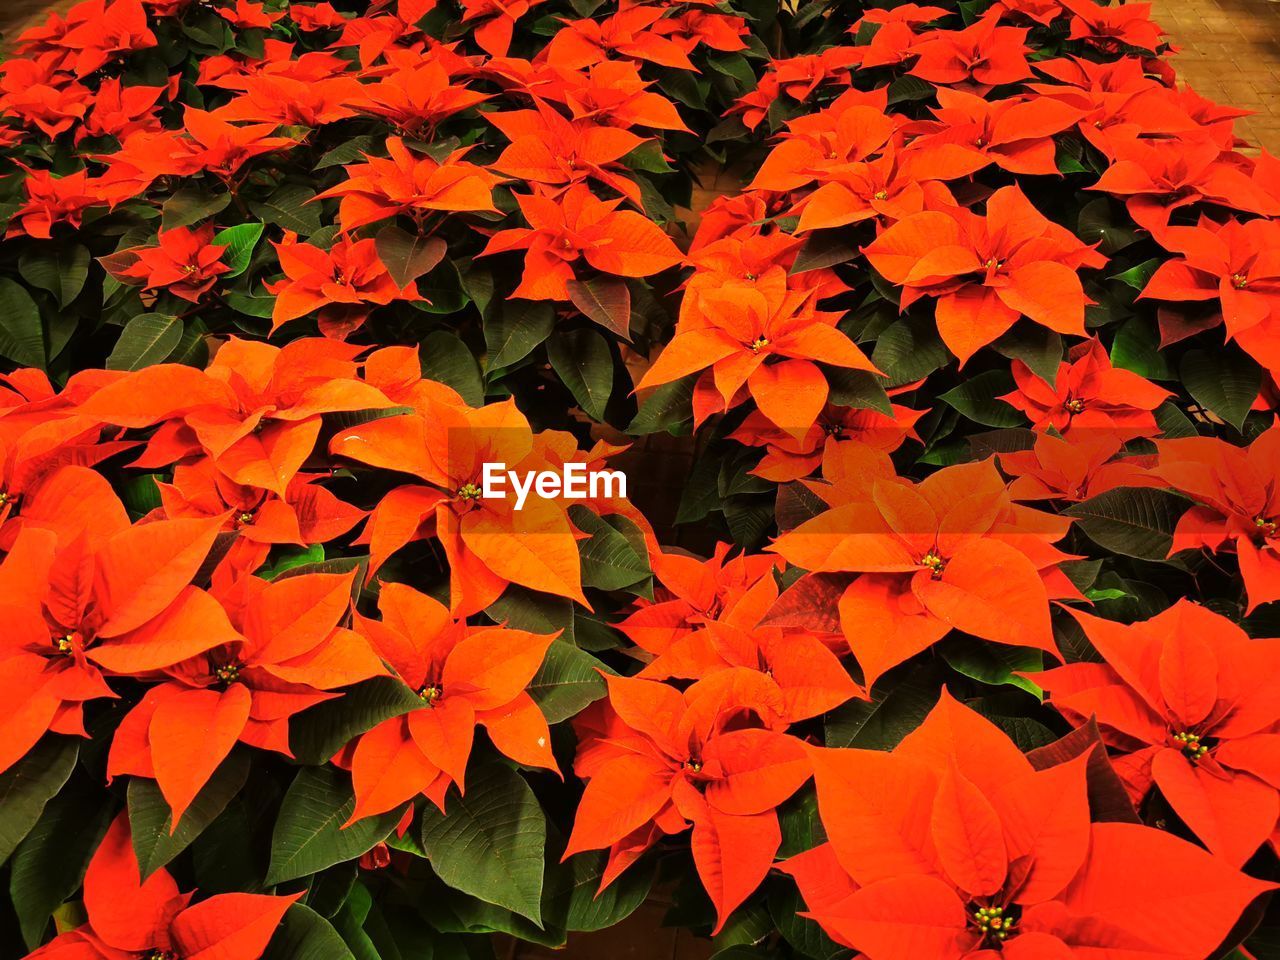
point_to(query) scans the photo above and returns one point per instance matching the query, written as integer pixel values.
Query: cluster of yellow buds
(430, 694)
(993, 923)
(1192, 748)
(934, 562)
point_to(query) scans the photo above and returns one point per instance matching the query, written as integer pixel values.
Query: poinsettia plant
(926, 605)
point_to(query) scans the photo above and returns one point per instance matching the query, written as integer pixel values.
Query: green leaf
(446, 359)
(860, 389)
(1137, 348)
(290, 207)
(667, 408)
(28, 785)
(318, 733)
(62, 270)
(351, 151)
(605, 301)
(909, 349)
(568, 680)
(576, 902)
(535, 612)
(583, 361)
(977, 400)
(305, 935)
(909, 88)
(1097, 224)
(1131, 521)
(146, 340)
(516, 330)
(615, 557)
(240, 242)
(824, 249)
(50, 862)
(188, 205)
(296, 557)
(491, 843)
(21, 333)
(1038, 348)
(407, 256)
(155, 842)
(993, 663)
(1137, 277)
(893, 712)
(309, 834)
(1224, 382)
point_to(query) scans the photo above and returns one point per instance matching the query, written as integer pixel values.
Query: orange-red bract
(1186, 700)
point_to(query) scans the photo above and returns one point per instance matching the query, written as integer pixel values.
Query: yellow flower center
(1264, 526)
(934, 562)
(882, 194)
(758, 344)
(1075, 405)
(993, 923)
(431, 694)
(1239, 281)
(469, 492)
(1192, 748)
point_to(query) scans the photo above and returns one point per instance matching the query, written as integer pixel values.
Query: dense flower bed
(963, 651)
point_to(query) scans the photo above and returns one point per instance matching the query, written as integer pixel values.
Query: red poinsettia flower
(411, 184)
(953, 846)
(134, 919)
(96, 31)
(1235, 263)
(291, 101)
(489, 543)
(495, 21)
(216, 145)
(983, 55)
(1156, 177)
(77, 605)
(1074, 468)
(255, 410)
(1237, 503)
(656, 760)
(692, 592)
(342, 284)
(987, 271)
(896, 32)
(184, 262)
(466, 677)
(51, 102)
(820, 146)
(577, 225)
(627, 34)
(790, 458)
(247, 15)
(550, 150)
(1114, 28)
(762, 336)
(1188, 701)
(1088, 394)
(119, 111)
(969, 133)
(951, 552)
(810, 676)
(52, 200)
(287, 652)
(307, 514)
(415, 98)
